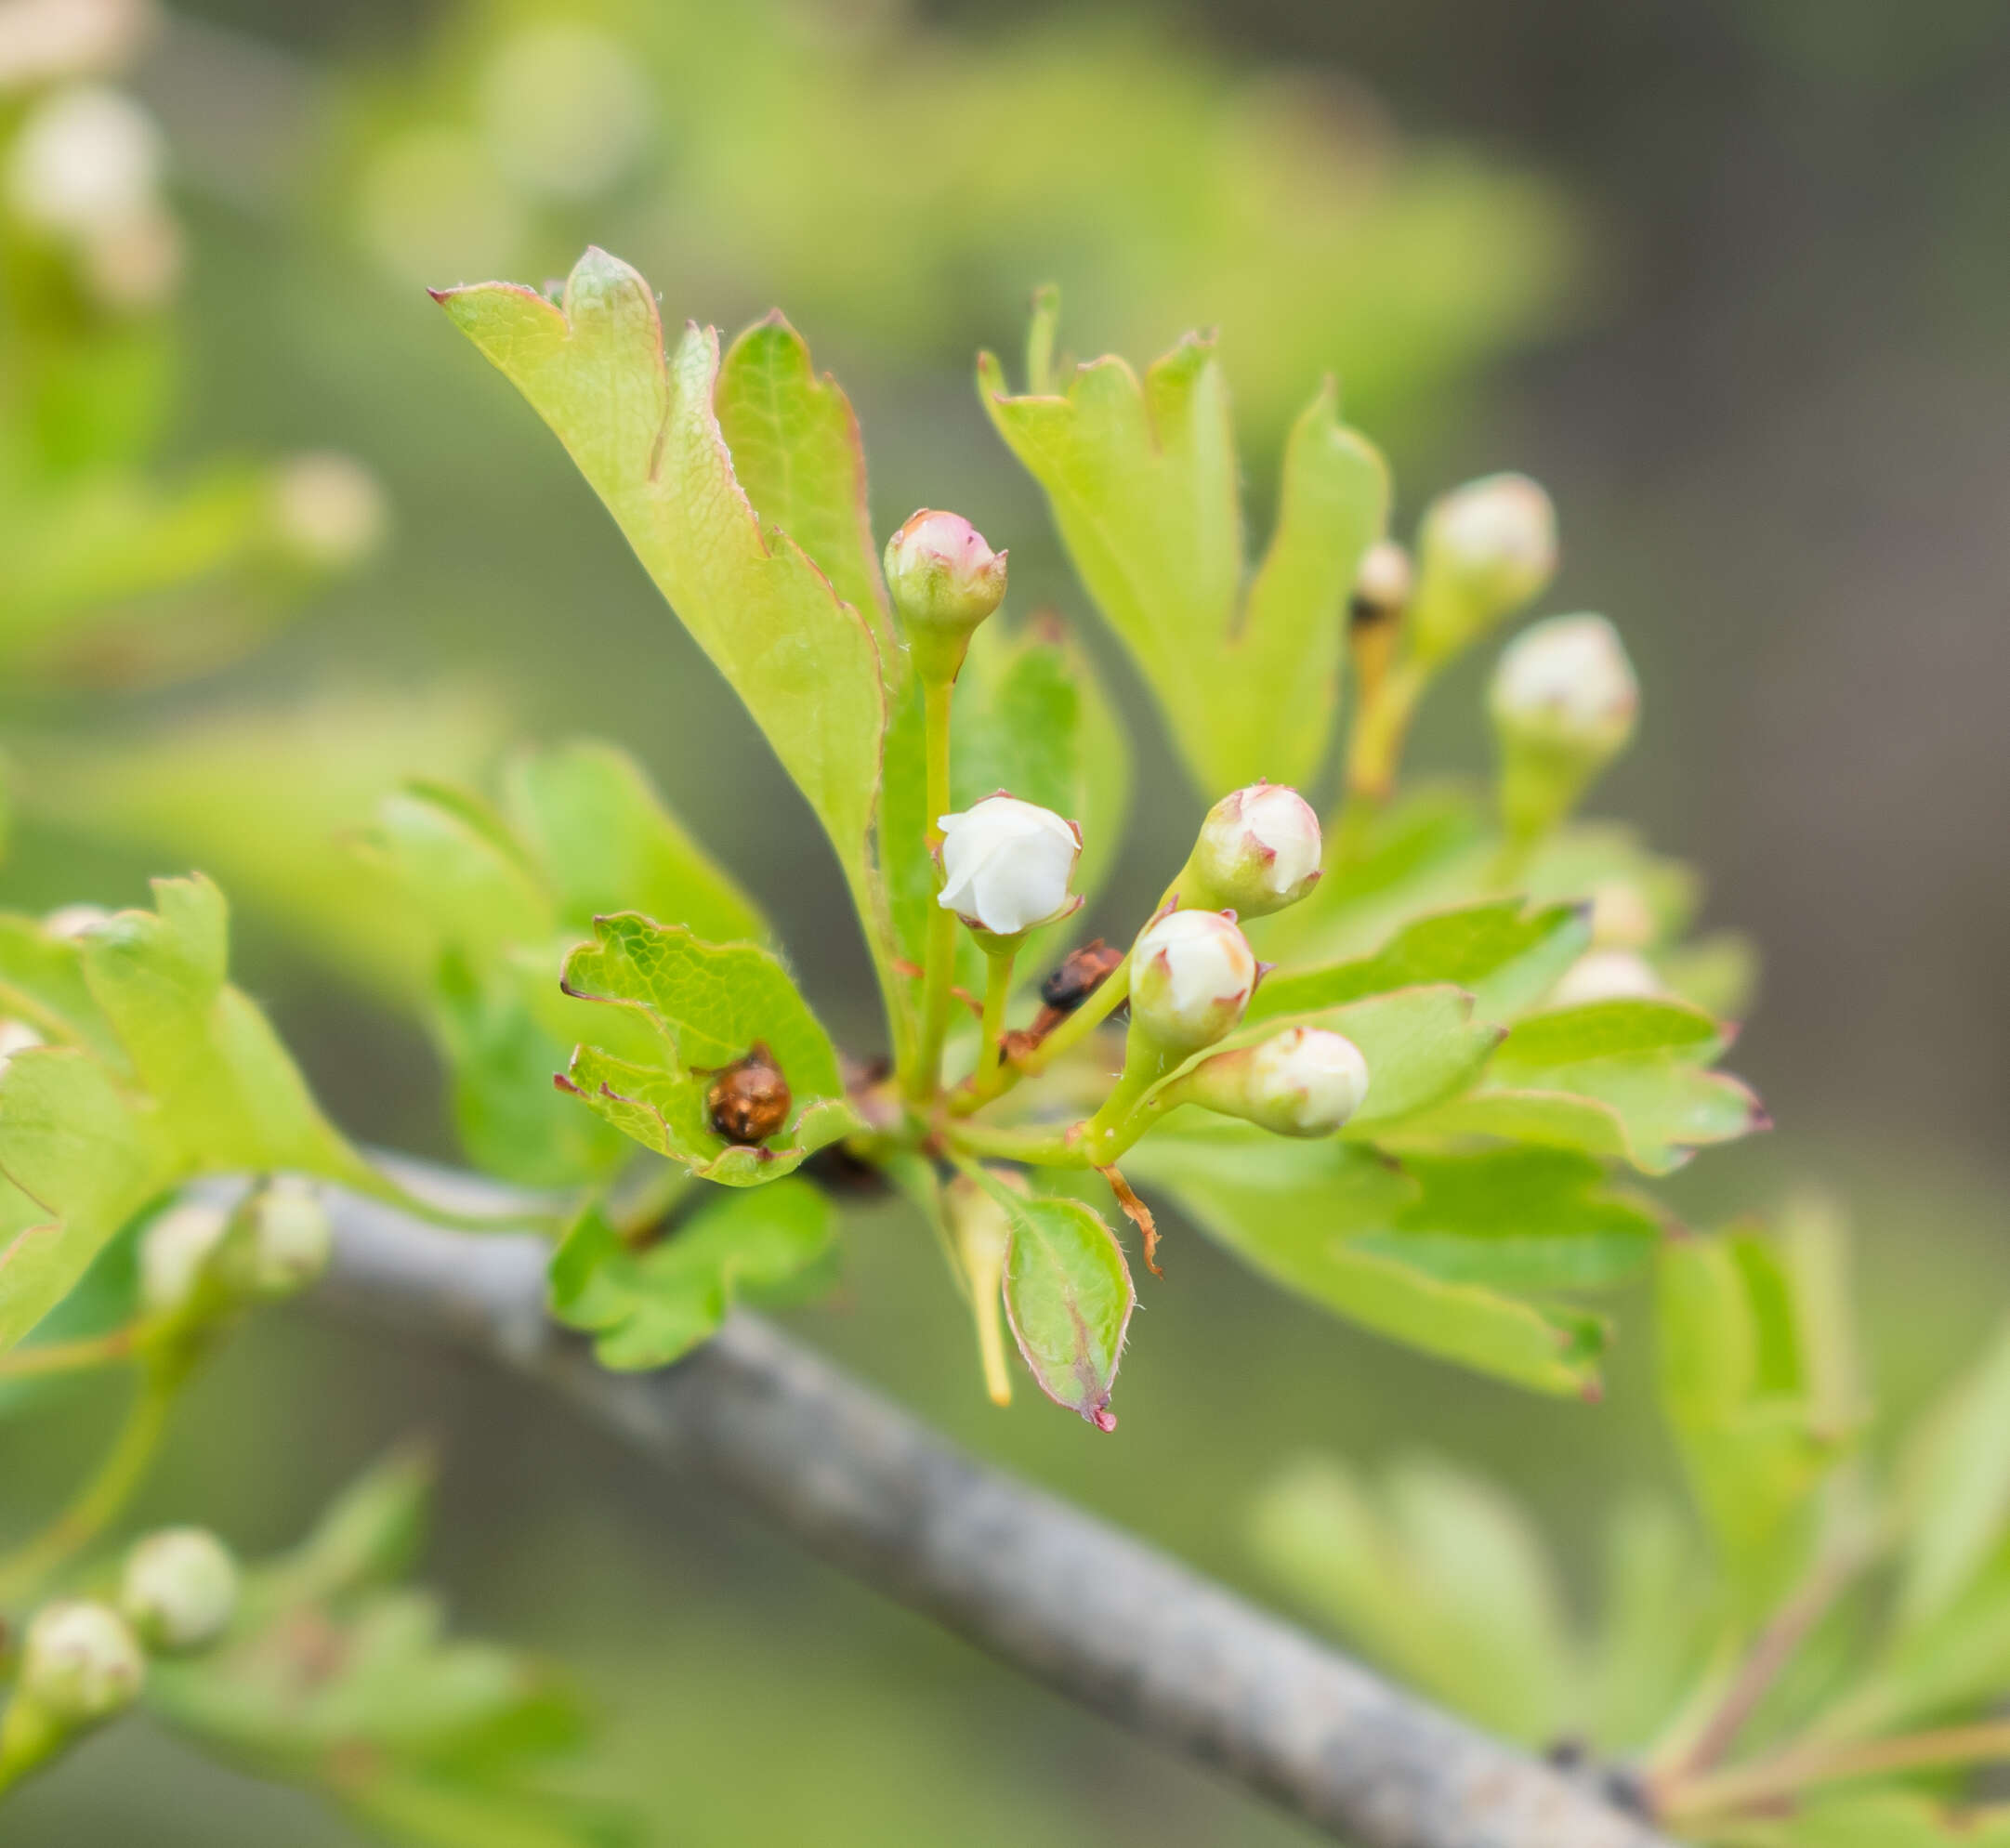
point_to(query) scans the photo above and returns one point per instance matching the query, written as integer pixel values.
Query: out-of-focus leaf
(1718, 973)
(1601, 1030)
(1503, 952)
(1068, 1297)
(369, 1535)
(1141, 477)
(648, 1308)
(647, 437)
(1652, 1635)
(1733, 1388)
(205, 1087)
(1437, 1575)
(1892, 1819)
(707, 1006)
(604, 841)
(795, 451)
(1301, 1212)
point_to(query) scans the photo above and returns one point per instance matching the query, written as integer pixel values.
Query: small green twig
(82, 1355)
(938, 961)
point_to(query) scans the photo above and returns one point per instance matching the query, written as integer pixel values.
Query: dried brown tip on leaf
(749, 1100)
(1139, 1213)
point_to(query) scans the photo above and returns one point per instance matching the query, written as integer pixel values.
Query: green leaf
(1602, 1029)
(42, 983)
(603, 841)
(706, 1007)
(795, 448)
(1505, 953)
(1300, 1213)
(1893, 1820)
(649, 1308)
(1653, 1633)
(203, 1087)
(1068, 1297)
(1437, 1575)
(647, 437)
(1733, 1388)
(1141, 477)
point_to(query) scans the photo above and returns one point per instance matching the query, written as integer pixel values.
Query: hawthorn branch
(1043, 1587)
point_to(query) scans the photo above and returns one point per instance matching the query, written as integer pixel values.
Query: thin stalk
(1375, 754)
(1116, 1126)
(101, 1500)
(1797, 1767)
(995, 1079)
(1037, 1149)
(997, 992)
(939, 962)
(71, 1357)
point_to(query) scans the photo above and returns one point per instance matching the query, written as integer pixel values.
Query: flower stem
(70, 1357)
(1795, 1768)
(1375, 754)
(1119, 1122)
(938, 964)
(997, 992)
(1037, 1149)
(101, 1500)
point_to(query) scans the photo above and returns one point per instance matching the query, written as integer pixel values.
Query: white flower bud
(179, 1589)
(1006, 865)
(16, 1036)
(80, 1663)
(1303, 1081)
(1258, 851)
(329, 510)
(1383, 583)
(173, 1251)
(75, 921)
(1191, 976)
(1568, 679)
(1621, 917)
(1606, 974)
(943, 578)
(86, 161)
(1487, 548)
(291, 1238)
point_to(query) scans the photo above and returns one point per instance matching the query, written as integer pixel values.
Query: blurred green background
(1728, 276)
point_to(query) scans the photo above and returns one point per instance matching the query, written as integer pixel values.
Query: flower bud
(44, 40)
(291, 1238)
(944, 580)
(86, 161)
(1564, 699)
(329, 510)
(80, 1663)
(173, 1251)
(179, 1589)
(1193, 975)
(1382, 586)
(1621, 916)
(16, 1036)
(1606, 974)
(1006, 865)
(1303, 1081)
(1258, 851)
(1486, 549)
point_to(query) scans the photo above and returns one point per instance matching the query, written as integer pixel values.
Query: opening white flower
(1007, 865)
(1258, 850)
(1193, 975)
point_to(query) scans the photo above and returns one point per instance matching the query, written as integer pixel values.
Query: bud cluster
(1564, 699)
(199, 1259)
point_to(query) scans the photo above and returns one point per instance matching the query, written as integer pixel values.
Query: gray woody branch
(1038, 1584)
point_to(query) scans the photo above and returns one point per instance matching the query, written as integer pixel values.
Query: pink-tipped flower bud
(1006, 865)
(1484, 550)
(79, 1664)
(1258, 851)
(941, 574)
(1568, 679)
(1193, 975)
(1305, 1081)
(179, 1589)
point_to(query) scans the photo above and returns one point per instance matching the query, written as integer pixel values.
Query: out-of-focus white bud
(1258, 851)
(173, 1251)
(135, 265)
(564, 109)
(16, 1036)
(80, 1663)
(329, 510)
(1564, 700)
(86, 161)
(291, 1238)
(1006, 865)
(179, 1589)
(1191, 976)
(1382, 584)
(1305, 1080)
(1606, 974)
(944, 580)
(1621, 917)
(43, 41)
(1484, 550)
(75, 921)
(1569, 679)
